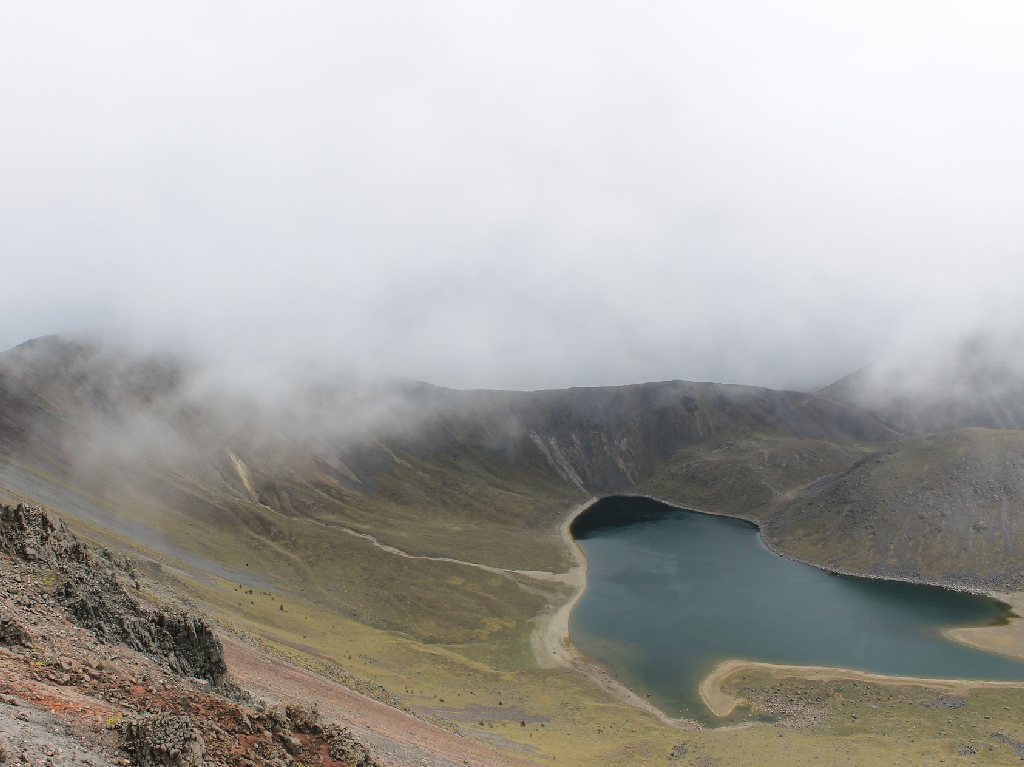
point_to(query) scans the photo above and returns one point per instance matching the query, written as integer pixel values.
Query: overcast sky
(515, 194)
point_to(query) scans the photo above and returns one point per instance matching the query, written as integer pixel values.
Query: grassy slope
(748, 476)
(942, 507)
(449, 639)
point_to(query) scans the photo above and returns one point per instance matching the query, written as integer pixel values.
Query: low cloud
(517, 195)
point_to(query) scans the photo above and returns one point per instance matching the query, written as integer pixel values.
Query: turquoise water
(671, 593)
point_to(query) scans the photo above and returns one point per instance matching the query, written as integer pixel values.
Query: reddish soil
(392, 736)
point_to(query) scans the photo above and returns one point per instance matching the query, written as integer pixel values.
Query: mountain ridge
(412, 532)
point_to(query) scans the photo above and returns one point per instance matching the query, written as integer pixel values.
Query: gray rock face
(120, 696)
(163, 741)
(95, 589)
(305, 721)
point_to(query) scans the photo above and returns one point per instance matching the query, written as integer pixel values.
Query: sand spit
(723, 704)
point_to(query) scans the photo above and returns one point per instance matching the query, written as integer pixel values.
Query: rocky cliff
(91, 673)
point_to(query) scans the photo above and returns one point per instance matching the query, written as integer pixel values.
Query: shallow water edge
(554, 646)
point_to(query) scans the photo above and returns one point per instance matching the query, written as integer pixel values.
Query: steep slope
(606, 439)
(91, 673)
(748, 476)
(945, 507)
(143, 433)
(59, 394)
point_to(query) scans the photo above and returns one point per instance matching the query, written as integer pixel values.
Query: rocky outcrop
(135, 692)
(95, 588)
(300, 727)
(285, 736)
(163, 741)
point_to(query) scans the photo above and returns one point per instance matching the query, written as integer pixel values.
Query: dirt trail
(541, 575)
(394, 737)
(535, 574)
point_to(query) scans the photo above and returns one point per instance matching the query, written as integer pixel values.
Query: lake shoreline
(553, 648)
(722, 704)
(552, 644)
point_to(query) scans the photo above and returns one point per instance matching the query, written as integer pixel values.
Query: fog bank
(515, 195)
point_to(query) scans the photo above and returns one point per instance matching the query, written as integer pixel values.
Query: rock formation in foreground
(96, 671)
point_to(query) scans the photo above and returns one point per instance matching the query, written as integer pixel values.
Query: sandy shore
(550, 641)
(1005, 640)
(723, 704)
(553, 648)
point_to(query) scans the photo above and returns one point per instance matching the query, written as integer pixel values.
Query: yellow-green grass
(451, 640)
(488, 688)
